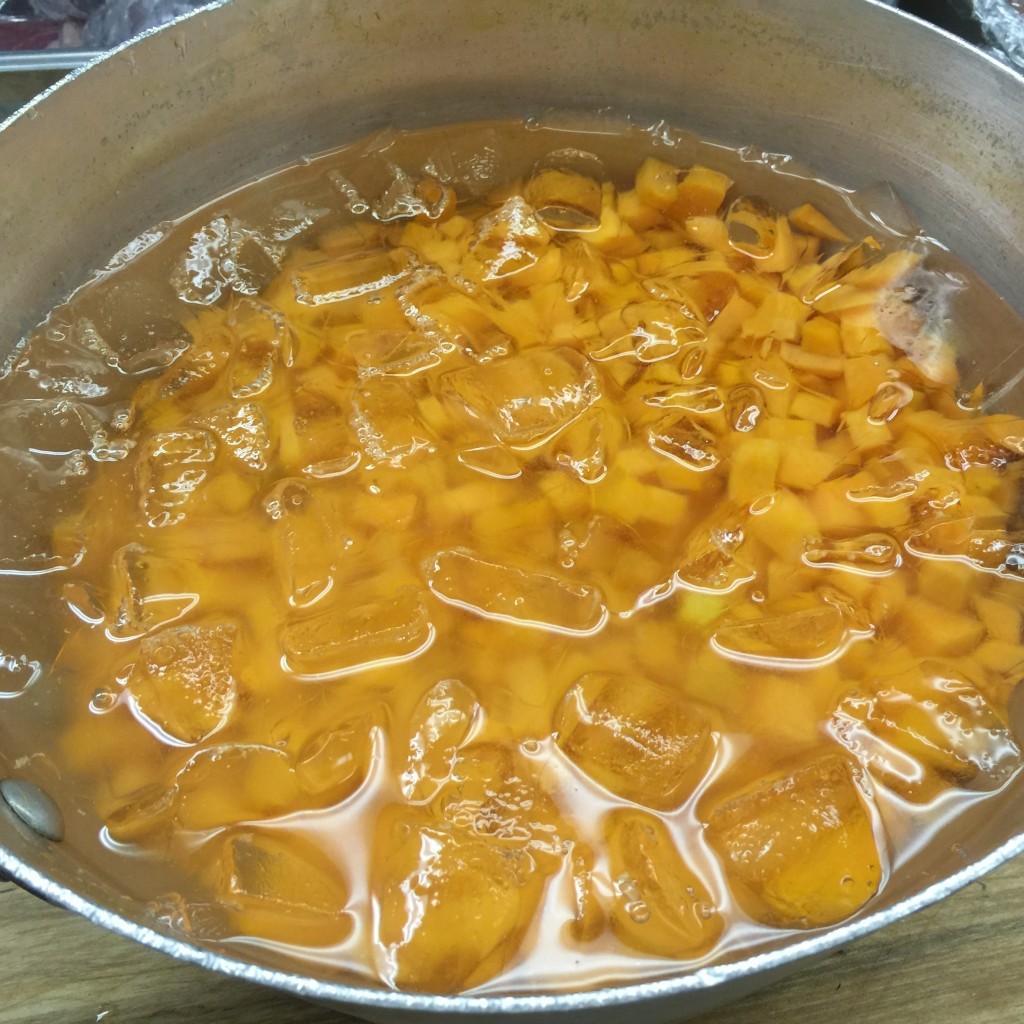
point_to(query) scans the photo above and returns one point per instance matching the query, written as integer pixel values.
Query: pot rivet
(34, 807)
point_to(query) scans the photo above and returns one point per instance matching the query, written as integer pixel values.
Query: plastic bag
(116, 21)
(1003, 22)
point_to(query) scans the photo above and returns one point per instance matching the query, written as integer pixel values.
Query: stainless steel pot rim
(705, 978)
(326, 991)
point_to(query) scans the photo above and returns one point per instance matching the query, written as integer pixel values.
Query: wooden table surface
(961, 961)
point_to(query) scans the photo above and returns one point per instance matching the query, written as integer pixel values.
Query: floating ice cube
(171, 468)
(283, 888)
(452, 316)
(18, 668)
(640, 740)
(872, 554)
(392, 353)
(920, 731)
(492, 460)
(710, 563)
(183, 681)
(453, 906)
(223, 256)
(526, 399)
(471, 160)
(441, 723)
(301, 542)
(648, 332)
(661, 906)
(510, 594)
(510, 240)
(332, 765)
(797, 634)
(405, 197)
(56, 433)
(613, 556)
(262, 341)
(148, 591)
(388, 425)
(800, 851)
(66, 358)
(684, 441)
(349, 275)
(565, 190)
(242, 429)
(582, 448)
(346, 639)
(232, 783)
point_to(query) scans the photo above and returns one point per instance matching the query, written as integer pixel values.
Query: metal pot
(857, 91)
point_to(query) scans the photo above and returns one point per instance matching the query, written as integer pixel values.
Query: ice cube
(510, 240)
(710, 563)
(283, 888)
(453, 906)
(441, 723)
(324, 440)
(683, 440)
(798, 633)
(527, 399)
(347, 639)
(171, 468)
(242, 429)
(872, 554)
(68, 358)
(262, 341)
(565, 190)
(232, 783)
(582, 448)
(588, 917)
(224, 256)
(745, 407)
(751, 224)
(405, 196)
(472, 160)
(661, 907)
(332, 765)
(800, 851)
(183, 681)
(510, 594)
(350, 274)
(143, 814)
(301, 541)
(388, 425)
(924, 729)
(56, 433)
(453, 317)
(392, 353)
(18, 668)
(494, 793)
(649, 332)
(639, 739)
(613, 556)
(492, 460)
(149, 591)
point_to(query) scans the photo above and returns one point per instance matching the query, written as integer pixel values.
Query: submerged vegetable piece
(800, 851)
(490, 527)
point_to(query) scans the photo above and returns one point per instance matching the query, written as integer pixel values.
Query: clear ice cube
(565, 190)
(872, 554)
(301, 543)
(453, 316)
(394, 353)
(639, 739)
(347, 275)
(800, 851)
(345, 639)
(405, 197)
(526, 399)
(441, 723)
(683, 440)
(262, 341)
(710, 563)
(648, 332)
(388, 425)
(582, 448)
(233, 783)
(171, 468)
(470, 160)
(56, 433)
(509, 240)
(223, 256)
(283, 888)
(183, 681)
(242, 429)
(332, 765)
(922, 730)
(514, 595)
(453, 906)
(148, 591)
(661, 905)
